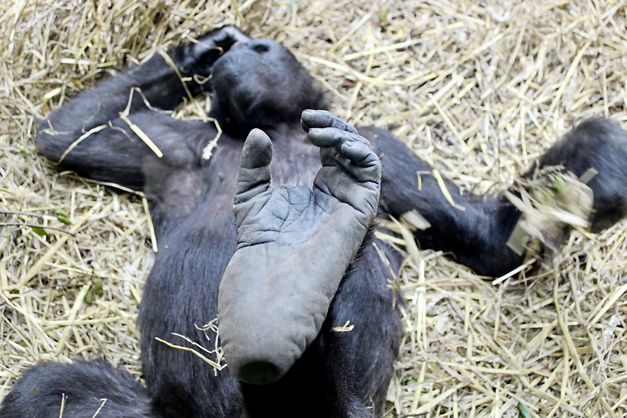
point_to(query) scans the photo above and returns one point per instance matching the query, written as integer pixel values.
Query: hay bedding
(479, 90)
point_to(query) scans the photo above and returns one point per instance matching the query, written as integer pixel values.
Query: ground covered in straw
(478, 89)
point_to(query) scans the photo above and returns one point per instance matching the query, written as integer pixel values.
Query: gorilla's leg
(300, 242)
(346, 370)
(304, 341)
(82, 389)
(600, 145)
(103, 134)
(180, 297)
(477, 229)
(474, 231)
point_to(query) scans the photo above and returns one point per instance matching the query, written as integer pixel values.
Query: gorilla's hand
(200, 54)
(294, 246)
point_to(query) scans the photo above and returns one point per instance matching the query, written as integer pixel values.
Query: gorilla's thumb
(254, 170)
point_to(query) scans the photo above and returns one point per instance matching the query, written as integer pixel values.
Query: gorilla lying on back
(283, 265)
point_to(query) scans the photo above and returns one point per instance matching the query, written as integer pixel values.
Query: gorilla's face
(260, 84)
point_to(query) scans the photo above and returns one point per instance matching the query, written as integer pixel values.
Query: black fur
(260, 84)
(477, 236)
(600, 144)
(80, 389)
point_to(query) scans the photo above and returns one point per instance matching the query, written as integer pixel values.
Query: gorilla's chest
(294, 163)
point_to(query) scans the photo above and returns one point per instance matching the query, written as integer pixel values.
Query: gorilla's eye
(260, 48)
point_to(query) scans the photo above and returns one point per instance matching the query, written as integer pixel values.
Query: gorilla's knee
(82, 389)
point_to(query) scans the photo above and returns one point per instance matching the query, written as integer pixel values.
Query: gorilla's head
(260, 84)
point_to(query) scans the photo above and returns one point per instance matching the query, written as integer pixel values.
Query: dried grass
(479, 90)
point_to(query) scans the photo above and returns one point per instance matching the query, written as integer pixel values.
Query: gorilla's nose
(260, 46)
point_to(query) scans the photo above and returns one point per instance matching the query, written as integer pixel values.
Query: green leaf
(63, 217)
(560, 186)
(383, 16)
(99, 288)
(89, 298)
(39, 231)
(97, 291)
(523, 411)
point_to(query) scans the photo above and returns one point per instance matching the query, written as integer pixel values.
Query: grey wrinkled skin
(271, 312)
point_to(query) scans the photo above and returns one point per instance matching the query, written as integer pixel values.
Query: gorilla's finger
(349, 145)
(254, 172)
(236, 35)
(325, 137)
(358, 152)
(333, 137)
(363, 164)
(350, 151)
(224, 37)
(257, 150)
(324, 119)
(203, 52)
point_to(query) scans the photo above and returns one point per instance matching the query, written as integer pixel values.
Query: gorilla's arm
(99, 135)
(477, 235)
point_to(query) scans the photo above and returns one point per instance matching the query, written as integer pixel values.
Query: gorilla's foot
(294, 246)
(580, 181)
(598, 146)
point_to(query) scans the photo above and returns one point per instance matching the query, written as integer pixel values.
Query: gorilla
(273, 235)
